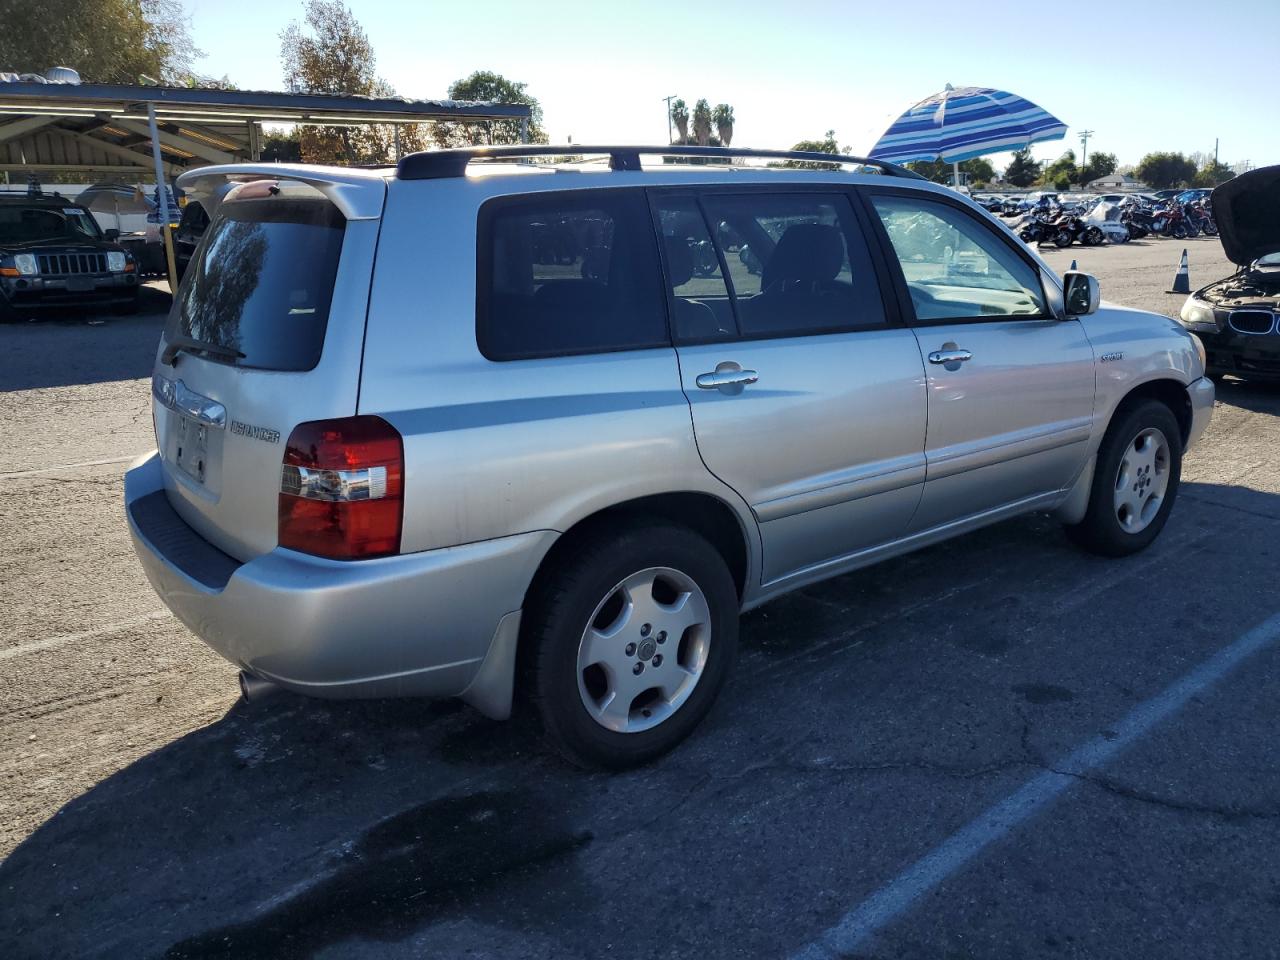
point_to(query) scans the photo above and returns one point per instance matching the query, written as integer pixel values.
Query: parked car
(1238, 317)
(54, 254)
(400, 454)
(187, 236)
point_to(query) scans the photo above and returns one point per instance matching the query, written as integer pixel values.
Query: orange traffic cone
(1181, 279)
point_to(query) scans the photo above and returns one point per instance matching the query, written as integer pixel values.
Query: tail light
(341, 489)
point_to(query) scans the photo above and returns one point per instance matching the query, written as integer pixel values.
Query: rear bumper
(1202, 393)
(422, 624)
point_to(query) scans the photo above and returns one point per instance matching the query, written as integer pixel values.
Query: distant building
(1117, 183)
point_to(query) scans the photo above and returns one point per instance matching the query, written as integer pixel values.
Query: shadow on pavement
(63, 348)
(286, 829)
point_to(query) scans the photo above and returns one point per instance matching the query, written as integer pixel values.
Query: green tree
(1162, 171)
(702, 123)
(487, 86)
(1213, 173)
(328, 52)
(979, 170)
(1100, 164)
(722, 116)
(107, 41)
(1062, 172)
(282, 147)
(1022, 170)
(680, 117)
(828, 144)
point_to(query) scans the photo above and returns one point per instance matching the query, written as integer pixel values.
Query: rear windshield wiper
(181, 344)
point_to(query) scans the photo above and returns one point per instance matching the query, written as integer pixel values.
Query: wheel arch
(704, 513)
(1172, 393)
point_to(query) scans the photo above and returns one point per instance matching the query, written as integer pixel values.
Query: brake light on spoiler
(341, 489)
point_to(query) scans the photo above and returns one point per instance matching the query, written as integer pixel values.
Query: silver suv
(470, 427)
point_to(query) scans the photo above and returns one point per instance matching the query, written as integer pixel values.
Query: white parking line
(37, 645)
(67, 466)
(894, 899)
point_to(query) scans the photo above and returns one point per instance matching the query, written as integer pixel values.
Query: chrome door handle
(950, 356)
(726, 378)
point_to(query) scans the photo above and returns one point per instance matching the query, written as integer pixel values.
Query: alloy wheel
(644, 650)
(1142, 480)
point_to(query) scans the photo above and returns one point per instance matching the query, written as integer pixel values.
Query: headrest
(810, 252)
(679, 261)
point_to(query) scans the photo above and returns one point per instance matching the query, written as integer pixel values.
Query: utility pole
(1215, 154)
(1084, 146)
(667, 100)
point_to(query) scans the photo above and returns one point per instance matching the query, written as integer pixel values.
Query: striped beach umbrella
(962, 123)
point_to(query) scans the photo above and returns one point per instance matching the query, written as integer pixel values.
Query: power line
(1084, 146)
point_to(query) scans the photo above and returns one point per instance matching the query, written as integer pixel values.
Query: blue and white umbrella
(959, 124)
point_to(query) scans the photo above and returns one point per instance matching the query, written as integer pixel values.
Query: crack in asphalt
(1228, 813)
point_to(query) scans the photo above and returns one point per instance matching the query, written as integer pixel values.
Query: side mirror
(111, 233)
(1080, 293)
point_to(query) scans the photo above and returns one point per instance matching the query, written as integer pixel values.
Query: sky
(1142, 75)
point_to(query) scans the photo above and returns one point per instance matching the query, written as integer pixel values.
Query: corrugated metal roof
(102, 128)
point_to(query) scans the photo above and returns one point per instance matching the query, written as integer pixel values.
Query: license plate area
(80, 284)
(191, 448)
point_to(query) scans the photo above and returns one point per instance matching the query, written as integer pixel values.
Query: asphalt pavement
(998, 747)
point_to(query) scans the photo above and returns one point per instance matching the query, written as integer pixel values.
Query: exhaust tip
(253, 689)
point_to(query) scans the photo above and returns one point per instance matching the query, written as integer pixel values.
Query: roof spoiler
(439, 164)
(357, 194)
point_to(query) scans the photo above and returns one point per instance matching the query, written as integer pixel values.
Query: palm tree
(702, 123)
(680, 115)
(723, 118)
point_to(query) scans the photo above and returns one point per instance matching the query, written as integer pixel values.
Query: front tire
(630, 641)
(1135, 482)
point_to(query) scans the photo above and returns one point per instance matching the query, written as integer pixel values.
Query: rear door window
(262, 281)
(797, 263)
(568, 273)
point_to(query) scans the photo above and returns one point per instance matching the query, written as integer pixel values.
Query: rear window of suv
(262, 280)
(568, 273)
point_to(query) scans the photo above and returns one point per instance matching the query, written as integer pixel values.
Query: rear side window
(262, 281)
(797, 265)
(568, 273)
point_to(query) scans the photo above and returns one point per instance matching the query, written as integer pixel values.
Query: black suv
(53, 253)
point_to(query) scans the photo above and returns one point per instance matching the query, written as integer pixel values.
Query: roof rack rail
(442, 164)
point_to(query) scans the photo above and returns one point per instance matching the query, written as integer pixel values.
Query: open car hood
(1247, 209)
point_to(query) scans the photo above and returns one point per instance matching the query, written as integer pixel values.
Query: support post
(255, 141)
(162, 200)
(524, 129)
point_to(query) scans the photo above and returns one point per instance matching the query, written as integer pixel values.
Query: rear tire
(585, 641)
(1135, 482)
(1063, 238)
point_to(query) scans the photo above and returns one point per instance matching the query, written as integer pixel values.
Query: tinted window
(797, 263)
(568, 273)
(262, 280)
(19, 224)
(954, 265)
(700, 306)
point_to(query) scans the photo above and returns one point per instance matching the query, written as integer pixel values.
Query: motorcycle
(1138, 221)
(1199, 213)
(1169, 220)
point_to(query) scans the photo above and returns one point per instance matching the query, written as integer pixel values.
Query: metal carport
(96, 128)
(159, 132)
